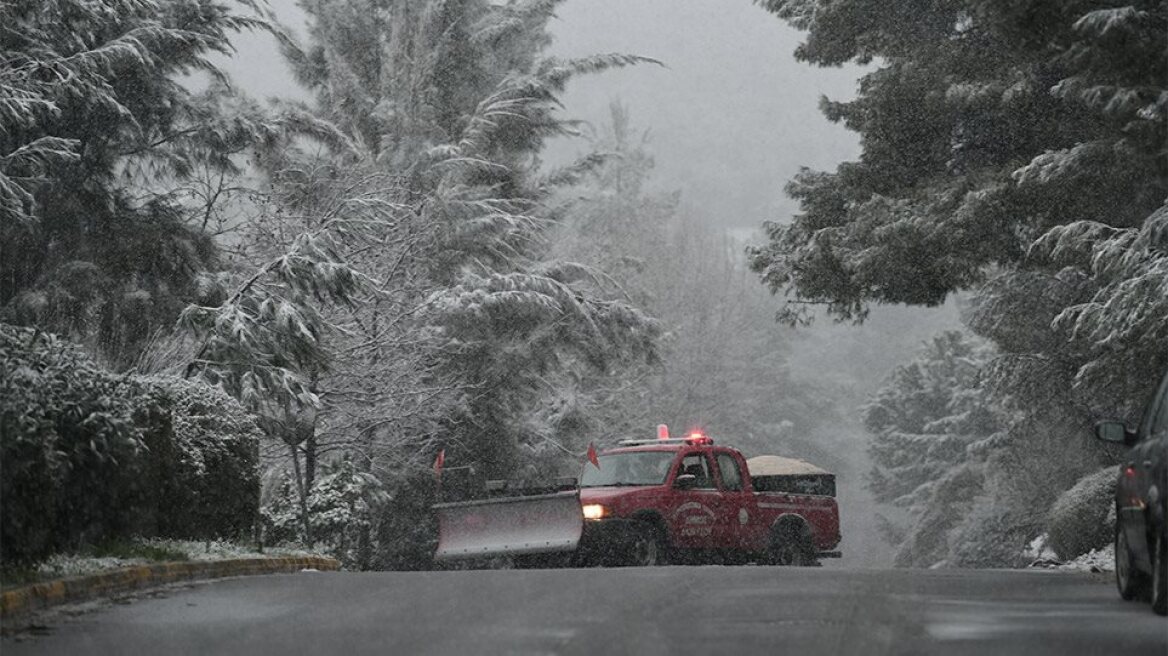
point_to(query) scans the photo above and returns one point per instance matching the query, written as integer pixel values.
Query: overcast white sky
(732, 118)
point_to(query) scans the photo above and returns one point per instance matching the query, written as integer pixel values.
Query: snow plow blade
(509, 526)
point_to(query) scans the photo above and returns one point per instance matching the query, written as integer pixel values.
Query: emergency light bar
(669, 440)
(694, 437)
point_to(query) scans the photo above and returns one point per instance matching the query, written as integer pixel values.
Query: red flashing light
(662, 432)
(698, 437)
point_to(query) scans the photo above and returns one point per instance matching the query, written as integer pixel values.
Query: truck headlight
(595, 511)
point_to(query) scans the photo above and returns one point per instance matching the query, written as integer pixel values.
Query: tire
(791, 547)
(1160, 575)
(543, 561)
(1132, 583)
(647, 546)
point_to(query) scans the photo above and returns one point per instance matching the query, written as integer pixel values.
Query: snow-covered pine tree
(924, 421)
(90, 97)
(434, 94)
(983, 127)
(1003, 145)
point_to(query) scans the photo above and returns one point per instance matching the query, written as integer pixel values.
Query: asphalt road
(667, 610)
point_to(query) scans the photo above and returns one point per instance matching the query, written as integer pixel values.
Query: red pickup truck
(649, 502)
(684, 500)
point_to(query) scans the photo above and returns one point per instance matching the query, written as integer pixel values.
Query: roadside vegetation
(259, 322)
(1015, 154)
(226, 319)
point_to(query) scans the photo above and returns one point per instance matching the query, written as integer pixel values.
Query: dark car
(1141, 504)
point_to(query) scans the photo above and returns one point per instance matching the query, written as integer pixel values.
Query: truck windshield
(638, 468)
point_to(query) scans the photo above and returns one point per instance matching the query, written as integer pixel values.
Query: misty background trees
(383, 264)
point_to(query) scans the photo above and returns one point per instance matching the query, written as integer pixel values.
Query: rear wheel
(791, 546)
(1160, 575)
(1132, 583)
(543, 561)
(647, 548)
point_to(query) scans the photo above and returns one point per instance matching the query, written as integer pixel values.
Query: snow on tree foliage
(948, 157)
(1122, 319)
(459, 114)
(344, 504)
(925, 421)
(1019, 152)
(96, 245)
(926, 416)
(259, 342)
(393, 293)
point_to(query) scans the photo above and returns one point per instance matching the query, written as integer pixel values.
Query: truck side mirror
(1115, 432)
(685, 482)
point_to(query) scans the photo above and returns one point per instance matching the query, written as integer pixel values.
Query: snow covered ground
(63, 566)
(1041, 555)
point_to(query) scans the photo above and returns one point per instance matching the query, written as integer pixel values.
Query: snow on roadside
(1096, 560)
(1041, 556)
(219, 550)
(68, 565)
(65, 566)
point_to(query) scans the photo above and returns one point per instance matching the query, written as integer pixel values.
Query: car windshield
(637, 468)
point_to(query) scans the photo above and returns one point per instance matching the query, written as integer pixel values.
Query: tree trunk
(303, 496)
(310, 458)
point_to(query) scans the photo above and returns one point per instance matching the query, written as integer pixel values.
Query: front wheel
(647, 548)
(1132, 583)
(1160, 575)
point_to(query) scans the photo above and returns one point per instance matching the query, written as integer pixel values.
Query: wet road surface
(667, 610)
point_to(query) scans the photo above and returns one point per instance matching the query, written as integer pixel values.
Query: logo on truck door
(696, 519)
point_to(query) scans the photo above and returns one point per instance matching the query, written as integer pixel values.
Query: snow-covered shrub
(69, 446)
(207, 461)
(88, 456)
(343, 506)
(1080, 519)
(279, 513)
(363, 522)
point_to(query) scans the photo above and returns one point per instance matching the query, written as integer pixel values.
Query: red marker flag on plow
(438, 462)
(592, 455)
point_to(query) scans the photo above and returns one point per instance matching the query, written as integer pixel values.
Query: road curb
(46, 594)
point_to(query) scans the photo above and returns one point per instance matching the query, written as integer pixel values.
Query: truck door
(732, 530)
(694, 513)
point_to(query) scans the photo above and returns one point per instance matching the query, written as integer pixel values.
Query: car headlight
(595, 511)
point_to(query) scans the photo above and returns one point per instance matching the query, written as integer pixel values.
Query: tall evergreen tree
(985, 126)
(93, 111)
(1018, 150)
(455, 98)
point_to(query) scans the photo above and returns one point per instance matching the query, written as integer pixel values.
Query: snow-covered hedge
(88, 456)
(344, 504)
(206, 461)
(1082, 518)
(68, 439)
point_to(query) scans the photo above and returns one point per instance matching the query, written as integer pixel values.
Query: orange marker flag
(438, 462)
(592, 455)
